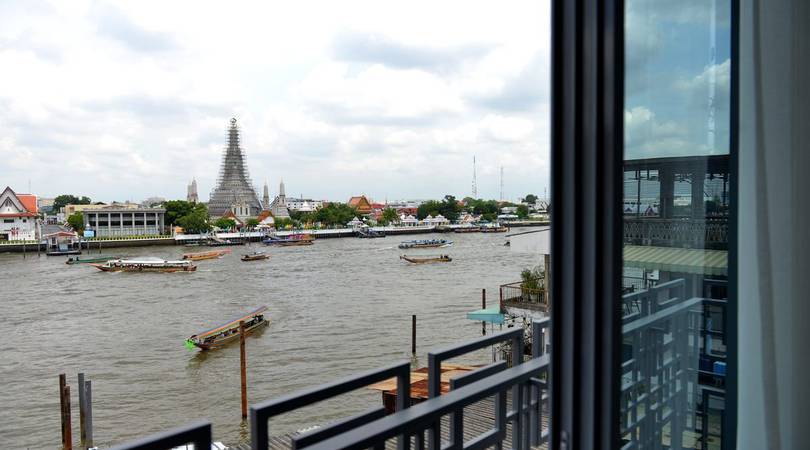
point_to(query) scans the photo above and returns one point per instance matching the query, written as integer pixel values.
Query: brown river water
(336, 308)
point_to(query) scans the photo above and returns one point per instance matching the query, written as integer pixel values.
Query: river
(336, 308)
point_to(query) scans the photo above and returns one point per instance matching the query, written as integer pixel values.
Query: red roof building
(362, 205)
(18, 216)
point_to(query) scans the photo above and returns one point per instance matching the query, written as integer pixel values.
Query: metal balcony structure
(664, 391)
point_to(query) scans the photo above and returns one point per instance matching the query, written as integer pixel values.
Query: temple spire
(233, 184)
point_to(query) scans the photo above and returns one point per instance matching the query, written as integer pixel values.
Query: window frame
(587, 142)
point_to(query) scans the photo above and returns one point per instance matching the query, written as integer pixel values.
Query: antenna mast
(474, 184)
(502, 183)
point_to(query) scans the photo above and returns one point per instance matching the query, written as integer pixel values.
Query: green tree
(175, 209)
(531, 199)
(76, 221)
(335, 214)
(522, 211)
(389, 215)
(252, 222)
(430, 207)
(281, 223)
(450, 208)
(67, 199)
(196, 221)
(225, 223)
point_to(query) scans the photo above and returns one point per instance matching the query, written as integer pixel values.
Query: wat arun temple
(234, 188)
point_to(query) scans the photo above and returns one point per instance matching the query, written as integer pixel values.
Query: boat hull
(255, 257)
(425, 260)
(230, 338)
(144, 269)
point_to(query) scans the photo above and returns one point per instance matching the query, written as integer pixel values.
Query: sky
(129, 100)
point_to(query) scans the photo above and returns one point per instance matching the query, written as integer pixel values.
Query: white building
(303, 204)
(18, 216)
(408, 221)
(436, 221)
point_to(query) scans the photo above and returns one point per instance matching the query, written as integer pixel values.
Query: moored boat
(255, 256)
(494, 228)
(206, 255)
(145, 265)
(289, 241)
(96, 259)
(225, 333)
(426, 259)
(467, 229)
(368, 233)
(426, 243)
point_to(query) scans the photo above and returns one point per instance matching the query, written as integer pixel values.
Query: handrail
(421, 416)
(262, 412)
(197, 433)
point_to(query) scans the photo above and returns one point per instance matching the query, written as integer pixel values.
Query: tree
(67, 199)
(76, 221)
(522, 211)
(225, 223)
(281, 223)
(175, 209)
(530, 199)
(252, 222)
(450, 208)
(196, 221)
(335, 214)
(389, 215)
(430, 207)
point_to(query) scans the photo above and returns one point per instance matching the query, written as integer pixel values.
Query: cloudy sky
(127, 100)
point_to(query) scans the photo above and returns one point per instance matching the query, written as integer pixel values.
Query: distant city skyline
(132, 100)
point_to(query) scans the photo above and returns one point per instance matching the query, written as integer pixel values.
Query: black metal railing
(516, 295)
(261, 413)
(198, 433)
(709, 233)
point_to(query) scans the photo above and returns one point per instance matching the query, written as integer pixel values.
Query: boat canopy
(256, 312)
(492, 315)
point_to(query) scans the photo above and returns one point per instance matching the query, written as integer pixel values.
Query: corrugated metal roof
(681, 260)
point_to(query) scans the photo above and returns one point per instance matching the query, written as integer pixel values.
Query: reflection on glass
(676, 191)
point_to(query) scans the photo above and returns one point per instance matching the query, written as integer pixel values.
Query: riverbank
(253, 236)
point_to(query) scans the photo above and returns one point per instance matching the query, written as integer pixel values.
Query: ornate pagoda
(233, 185)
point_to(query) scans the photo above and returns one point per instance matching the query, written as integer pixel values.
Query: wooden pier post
(243, 367)
(413, 335)
(62, 384)
(82, 404)
(483, 306)
(88, 415)
(68, 445)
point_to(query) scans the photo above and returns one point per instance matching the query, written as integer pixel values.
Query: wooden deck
(478, 419)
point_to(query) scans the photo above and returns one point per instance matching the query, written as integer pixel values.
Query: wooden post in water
(483, 306)
(68, 429)
(243, 367)
(88, 414)
(413, 335)
(82, 404)
(62, 384)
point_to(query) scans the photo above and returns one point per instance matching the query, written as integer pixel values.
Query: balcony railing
(663, 334)
(516, 296)
(687, 233)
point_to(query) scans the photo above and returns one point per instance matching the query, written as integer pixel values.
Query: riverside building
(114, 221)
(18, 216)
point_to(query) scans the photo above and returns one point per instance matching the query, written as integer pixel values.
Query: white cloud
(132, 100)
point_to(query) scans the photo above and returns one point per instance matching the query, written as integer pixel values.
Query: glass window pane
(676, 220)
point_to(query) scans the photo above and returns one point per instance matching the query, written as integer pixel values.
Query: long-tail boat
(426, 243)
(289, 241)
(96, 259)
(145, 265)
(255, 256)
(423, 260)
(223, 334)
(212, 254)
